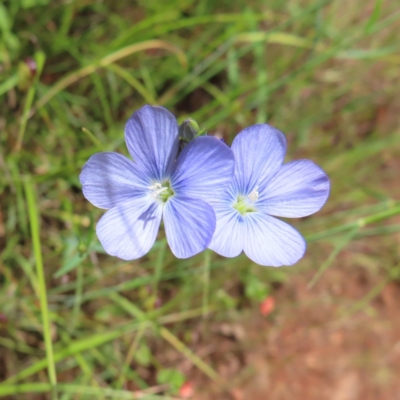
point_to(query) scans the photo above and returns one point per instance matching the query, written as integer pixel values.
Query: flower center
(245, 204)
(161, 190)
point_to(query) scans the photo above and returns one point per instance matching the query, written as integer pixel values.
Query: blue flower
(263, 188)
(159, 184)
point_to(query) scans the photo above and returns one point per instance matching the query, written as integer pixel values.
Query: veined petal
(110, 178)
(298, 189)
(203, 169)
(259, 152)
(228, 237)
(189, 225)
(129, 230)
(271, 242)
(151, 135)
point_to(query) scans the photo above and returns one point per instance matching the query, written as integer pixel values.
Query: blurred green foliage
(71, 73)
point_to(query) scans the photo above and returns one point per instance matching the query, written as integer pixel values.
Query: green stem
(339, 247)
(159, 265)
(206, 282)
(131, 352)
(78, 296)
(359, 305)
(194, 358)
(359, 223)
(35, 232)
(87, 391)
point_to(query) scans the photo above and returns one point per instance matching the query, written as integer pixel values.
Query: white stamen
(253, 196)
(157, 189)
(155, 186)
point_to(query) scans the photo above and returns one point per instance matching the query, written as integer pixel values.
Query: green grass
(82, 324)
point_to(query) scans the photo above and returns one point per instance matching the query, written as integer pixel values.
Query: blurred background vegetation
(324, 72)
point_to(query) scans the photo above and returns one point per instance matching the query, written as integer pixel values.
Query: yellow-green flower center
(245, 204)
(161, 190)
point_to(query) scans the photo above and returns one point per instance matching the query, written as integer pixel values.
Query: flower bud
(188, 129)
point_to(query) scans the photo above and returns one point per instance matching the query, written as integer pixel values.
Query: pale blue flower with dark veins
(264, 188)
(159, 184)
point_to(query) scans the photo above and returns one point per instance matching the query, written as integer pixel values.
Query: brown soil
(313, 346)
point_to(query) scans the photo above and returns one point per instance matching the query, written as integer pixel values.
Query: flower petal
(128, 231)
(271, 242)
(299, 188)
(110, 178)
(203, 169)
(259, 152)
(228, 237)
(151, 135)
(189, 225)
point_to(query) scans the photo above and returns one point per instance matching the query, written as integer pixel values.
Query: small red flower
(187, 390)
(267, 306)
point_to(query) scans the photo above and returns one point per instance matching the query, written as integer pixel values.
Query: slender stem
(131, 352)
(359, 305)
(194, 358)
(340, 246)
(90, 392)
(159, 265)
(35, 232)
(78, 296)
(390, 212)
(206, 281)
(360, 223)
